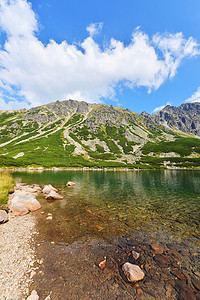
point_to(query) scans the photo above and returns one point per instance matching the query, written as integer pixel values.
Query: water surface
(109, 213)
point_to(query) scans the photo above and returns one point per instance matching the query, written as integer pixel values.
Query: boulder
(3, 216)
(53, 195)
(132, 272)
(48, 188)
(28, 200)
(19, 209)
(70, 183)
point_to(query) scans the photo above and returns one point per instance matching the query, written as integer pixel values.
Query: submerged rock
(70, 183)
(132, 272)
(157, 248)
(3, 216)
(48, 188)
(53, 195)
(102, 264)
(135, 254)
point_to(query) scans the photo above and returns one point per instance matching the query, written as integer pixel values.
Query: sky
(141, 55)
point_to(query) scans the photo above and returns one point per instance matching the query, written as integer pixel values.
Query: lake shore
(17, 256)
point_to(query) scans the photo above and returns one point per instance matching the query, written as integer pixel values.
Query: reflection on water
(110, 214)
(104, 204)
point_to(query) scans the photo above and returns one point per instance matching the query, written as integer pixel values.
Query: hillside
(77, 134)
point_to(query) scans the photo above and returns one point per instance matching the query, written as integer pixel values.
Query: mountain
(78, 134)
(185, 118)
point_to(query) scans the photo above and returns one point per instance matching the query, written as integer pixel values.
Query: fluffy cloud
(160, 107)
(38, 73)
(195, 97)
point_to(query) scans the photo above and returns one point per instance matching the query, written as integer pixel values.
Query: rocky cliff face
(185, 118)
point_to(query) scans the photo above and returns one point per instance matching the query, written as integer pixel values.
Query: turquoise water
(109, 214)
(104, 204)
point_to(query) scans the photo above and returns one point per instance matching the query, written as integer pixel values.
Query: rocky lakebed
(141, 264)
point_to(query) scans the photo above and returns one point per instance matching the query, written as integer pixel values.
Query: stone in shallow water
(3, 216)
(132, 272)
(53, 195)
(135, 254)
(196, 283)
(102, 264)
(157, 248)
(70, 183)
(48, 188)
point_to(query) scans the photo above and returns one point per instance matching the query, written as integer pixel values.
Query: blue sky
(137, 54)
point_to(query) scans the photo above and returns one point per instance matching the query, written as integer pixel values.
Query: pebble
(33, 296)
(135, 254)
(33, 273)
(102, 264)
(49, 218)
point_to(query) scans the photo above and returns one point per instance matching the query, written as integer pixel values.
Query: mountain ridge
(75, 133)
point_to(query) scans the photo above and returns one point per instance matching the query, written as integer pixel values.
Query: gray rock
(132, 272)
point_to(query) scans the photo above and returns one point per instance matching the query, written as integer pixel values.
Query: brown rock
(139, 291)
(168, 290)
(178, 274)
(53, 195)
(132, 272)
(157, 248)
(102, 264)
(3, 216)
(196, 283)
(70, 183)
(162, 260)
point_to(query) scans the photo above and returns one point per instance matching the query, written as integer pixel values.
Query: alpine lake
(111, 213)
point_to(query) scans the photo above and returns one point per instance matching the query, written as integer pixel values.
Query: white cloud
(44, 73)
(195, 97)
(157, 109)
(13, 104)
(94, 28)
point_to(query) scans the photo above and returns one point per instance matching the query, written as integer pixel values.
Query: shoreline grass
(6, 183)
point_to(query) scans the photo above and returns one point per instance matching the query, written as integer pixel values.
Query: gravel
(17, 257)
